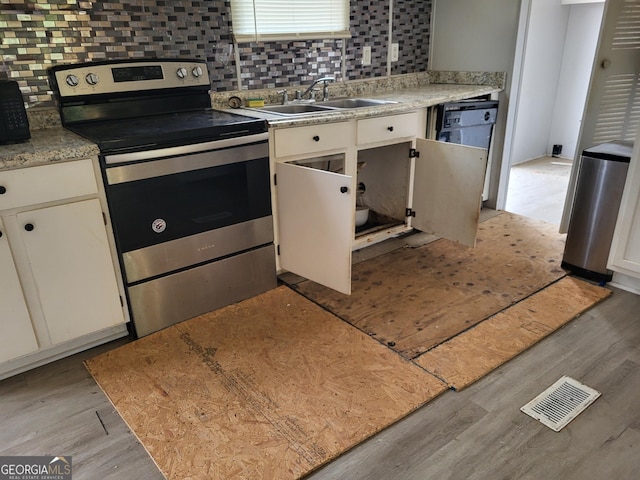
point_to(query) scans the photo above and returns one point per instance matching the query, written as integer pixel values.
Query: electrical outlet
(366, 55)
(395, 52)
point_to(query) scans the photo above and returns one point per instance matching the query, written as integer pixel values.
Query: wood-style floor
(478, 433)
(537, 188)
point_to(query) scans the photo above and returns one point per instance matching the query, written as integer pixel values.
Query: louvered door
(613, 104)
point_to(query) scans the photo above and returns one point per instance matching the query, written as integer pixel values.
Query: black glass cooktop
(159, 131)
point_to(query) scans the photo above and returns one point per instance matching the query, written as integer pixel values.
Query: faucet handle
(285, 95)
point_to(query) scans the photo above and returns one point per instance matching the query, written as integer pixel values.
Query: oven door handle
(186, 163)
(183, 149)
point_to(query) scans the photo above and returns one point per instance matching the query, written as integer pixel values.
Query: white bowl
(362, 215)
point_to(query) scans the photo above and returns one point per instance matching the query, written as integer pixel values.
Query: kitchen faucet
(325, 87)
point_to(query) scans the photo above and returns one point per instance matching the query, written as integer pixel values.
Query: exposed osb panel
(271, 387)
(471, 355)
(415, 299)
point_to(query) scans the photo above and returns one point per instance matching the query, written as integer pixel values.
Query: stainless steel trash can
(601, 177)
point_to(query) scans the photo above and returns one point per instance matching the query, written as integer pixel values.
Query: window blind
(264, 20)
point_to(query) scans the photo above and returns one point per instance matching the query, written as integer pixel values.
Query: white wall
(577, 61)
(478, 35)
(474, 35)
(542, 63)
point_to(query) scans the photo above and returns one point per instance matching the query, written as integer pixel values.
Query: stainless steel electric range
(187, 186)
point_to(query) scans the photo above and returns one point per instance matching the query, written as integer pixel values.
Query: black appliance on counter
(187, 186)
(14, 124)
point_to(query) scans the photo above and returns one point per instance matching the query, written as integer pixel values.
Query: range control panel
(95, 78)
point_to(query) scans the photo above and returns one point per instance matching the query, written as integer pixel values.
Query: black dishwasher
(470, 123)
(467, 122)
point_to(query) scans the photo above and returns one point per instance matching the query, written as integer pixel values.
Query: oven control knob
(196, 72)
(159, 225)
(91, 78)
(181, 72)
(72, 80)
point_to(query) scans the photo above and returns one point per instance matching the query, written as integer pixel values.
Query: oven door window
(156, 210)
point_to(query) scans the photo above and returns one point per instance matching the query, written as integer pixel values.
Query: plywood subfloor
(272, 387)
(471, 355)
(413, 299)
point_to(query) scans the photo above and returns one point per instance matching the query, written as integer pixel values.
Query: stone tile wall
(35, 34)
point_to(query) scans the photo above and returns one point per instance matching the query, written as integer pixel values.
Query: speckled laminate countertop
(50, 142)
(54, 144)
(407, 100)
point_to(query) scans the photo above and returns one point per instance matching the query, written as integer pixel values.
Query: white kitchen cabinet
(311, 139)
(18, 337)
(409, 183)
(386, 129)
(449, 180)
(624, 257)
(60, 286)
(316, 221)
(71, 265)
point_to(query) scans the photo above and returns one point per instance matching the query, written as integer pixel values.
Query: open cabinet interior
(328, 163)
(382, 186)
(405, 183)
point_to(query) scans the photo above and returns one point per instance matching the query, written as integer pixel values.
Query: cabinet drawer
(46, 183)
(311, 139)
(382, 129)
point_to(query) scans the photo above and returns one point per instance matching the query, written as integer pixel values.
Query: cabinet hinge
(121, 301)
(275, 179)
(409, 212)
(413, 153)
(278, 249)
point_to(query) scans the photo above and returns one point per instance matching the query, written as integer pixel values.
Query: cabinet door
(16, 333)
(625, 247)
(71, 264)
(316, 224)
(447, 194)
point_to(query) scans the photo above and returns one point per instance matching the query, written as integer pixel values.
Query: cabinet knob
(316, 138)
(390, 129)
(3, 190)
(344, 189)
(29, 227)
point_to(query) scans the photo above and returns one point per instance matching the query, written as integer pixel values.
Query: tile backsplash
(36, 34)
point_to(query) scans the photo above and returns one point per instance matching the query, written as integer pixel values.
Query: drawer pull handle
(316, 138)
(3, 190)
(344, 189)
(390, 128)
(29, 227)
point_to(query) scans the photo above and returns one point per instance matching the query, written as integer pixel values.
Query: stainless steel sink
(355, 102)
(322, 107)
(295, 108)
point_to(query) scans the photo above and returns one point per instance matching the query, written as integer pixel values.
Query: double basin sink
(322, 107)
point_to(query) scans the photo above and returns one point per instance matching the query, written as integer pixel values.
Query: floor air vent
(560, 403)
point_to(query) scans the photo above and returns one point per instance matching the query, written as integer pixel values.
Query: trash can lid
(617, 151)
